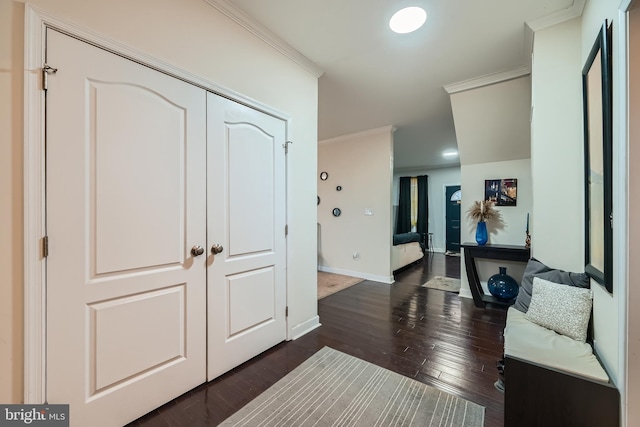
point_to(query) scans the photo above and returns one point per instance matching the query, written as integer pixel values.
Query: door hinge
(45, 246)
(286, 311)
(286, 146)
(286, 230)
(46, 70)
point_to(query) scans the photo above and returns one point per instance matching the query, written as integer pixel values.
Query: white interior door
(126, 185)
(246, 219)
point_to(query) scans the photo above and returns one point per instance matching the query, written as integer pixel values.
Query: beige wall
(191, 35)
(514, 218)
(362, 165)
(633, 296)
(11, 340)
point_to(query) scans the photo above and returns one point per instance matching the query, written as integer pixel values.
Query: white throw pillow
(561, 308)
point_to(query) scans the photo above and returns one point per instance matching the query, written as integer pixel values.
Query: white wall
(615, 330)
(608, 330)
(633, 288)
(557, 145)
(559, 54)
(192, 35)
(362, 164)
(493, 131)
(492, 122)
(511, 230)
(437, 181)
(557, 157)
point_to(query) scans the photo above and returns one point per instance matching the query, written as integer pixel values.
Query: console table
(502, 252)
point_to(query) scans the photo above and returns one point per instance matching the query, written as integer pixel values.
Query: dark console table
(503, 252)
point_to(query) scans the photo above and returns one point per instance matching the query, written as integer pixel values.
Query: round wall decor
(339, 188)
(324, 176)
(318, 199)
(336, 211)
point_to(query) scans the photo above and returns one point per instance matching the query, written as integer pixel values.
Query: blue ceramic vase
(481, 233)
(502, 286)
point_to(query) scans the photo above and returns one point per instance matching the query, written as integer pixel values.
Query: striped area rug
(334, 389)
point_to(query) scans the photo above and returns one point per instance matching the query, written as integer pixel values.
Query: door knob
(216, 249)
(197, 250)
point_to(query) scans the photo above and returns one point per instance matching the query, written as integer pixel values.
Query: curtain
(403, 221)
(422, 225)
(414, 203)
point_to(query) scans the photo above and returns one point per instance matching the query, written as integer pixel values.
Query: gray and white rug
(334, 389)
(443, 283)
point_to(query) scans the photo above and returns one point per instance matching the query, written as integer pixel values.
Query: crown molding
(530, 27)
(573, 11)
(487, 80)
(247, 22)
(424, 169)
(384, 129)
(558, 17)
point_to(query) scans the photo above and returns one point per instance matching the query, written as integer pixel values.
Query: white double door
(143, 173)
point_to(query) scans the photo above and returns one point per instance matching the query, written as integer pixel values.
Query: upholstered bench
(529, 342)
(553, 379)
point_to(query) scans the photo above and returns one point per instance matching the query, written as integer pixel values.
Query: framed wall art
(598, 136)
(502, 192)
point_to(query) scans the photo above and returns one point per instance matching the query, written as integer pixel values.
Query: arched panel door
(246, 218)
(126, 177)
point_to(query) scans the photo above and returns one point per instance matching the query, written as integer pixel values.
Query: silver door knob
(197, 250)
(216, 249)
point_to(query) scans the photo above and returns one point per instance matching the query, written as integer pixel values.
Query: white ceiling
(373, 77)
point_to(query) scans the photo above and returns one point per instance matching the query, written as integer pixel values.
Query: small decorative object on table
(527, 239)
(502, 286)
(482, 211)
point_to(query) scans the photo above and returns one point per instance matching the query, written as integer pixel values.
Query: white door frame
(622, 58)
(36, 23)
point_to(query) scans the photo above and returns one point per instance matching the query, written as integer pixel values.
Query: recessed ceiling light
(450, 153)
(408, 19)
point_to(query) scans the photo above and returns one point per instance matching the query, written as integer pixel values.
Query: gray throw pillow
(537, 269)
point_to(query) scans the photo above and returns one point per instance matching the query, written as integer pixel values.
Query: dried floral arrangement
(482, 211)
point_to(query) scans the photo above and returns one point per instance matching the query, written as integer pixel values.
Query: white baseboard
(305, 327)
(382, 279)
(465, 293)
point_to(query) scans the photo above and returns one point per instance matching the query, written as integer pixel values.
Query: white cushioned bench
(527, 341)
(551, 378)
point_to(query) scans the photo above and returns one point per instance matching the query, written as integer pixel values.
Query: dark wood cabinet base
(500, 252)
(539, 396)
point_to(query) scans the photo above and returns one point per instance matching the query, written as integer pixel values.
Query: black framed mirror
(598, 139)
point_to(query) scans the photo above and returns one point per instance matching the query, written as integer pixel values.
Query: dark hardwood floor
(433, 336)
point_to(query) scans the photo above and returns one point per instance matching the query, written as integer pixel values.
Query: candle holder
(527, 240)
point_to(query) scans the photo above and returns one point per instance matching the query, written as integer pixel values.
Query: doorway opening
(453, 198)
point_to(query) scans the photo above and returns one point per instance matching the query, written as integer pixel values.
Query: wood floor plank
(433, 336)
